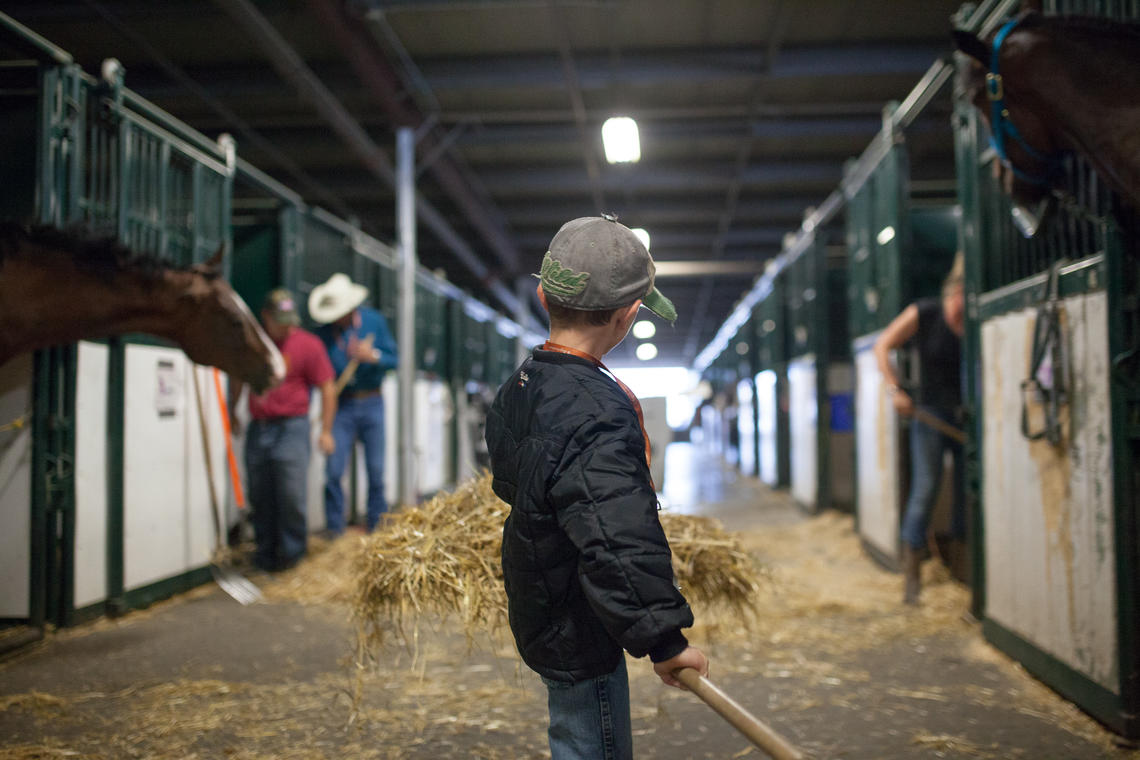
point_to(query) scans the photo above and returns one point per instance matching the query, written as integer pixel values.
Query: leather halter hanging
(1002, 127)
(560, 349)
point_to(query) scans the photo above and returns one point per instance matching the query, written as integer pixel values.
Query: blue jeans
(589, 720)
(277, 467)
(356, 419)
(926, 452)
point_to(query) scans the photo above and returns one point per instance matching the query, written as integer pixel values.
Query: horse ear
(969, 44)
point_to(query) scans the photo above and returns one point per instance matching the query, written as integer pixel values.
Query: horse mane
(91, 253)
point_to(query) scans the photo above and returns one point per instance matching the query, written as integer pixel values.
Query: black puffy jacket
(586, 564)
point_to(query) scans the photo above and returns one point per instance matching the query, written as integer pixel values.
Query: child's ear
(542, 297)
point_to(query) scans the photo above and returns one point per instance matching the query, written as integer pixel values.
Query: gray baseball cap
(595, 263)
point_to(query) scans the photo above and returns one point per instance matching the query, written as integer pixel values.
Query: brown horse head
(1028, 153)
(220, 330)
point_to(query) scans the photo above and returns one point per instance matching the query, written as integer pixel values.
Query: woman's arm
(901, 329)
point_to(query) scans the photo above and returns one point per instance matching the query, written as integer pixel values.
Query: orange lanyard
(558, 348)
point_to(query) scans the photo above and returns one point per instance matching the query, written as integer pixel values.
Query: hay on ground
(441, 559)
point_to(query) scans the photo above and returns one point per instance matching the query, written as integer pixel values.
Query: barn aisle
(834, 663)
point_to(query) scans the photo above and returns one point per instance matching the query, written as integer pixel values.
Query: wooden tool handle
(928, 419)
(350, 368)
(743, 721)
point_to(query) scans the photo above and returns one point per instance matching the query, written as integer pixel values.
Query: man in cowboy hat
(361, 349)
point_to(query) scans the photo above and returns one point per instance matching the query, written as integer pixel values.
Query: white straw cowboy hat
(333, 299)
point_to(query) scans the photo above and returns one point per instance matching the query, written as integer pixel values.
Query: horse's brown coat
(58, 287)
(1072, 83)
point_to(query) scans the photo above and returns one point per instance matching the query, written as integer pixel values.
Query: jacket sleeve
(389, 356)
(605, 504)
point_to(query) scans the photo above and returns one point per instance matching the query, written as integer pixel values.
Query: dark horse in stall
(62, 286)
(1053, 84)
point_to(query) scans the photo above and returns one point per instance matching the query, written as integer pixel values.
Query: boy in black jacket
(586, 564)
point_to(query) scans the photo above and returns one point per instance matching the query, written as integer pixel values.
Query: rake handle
(743, 721)
(928, 419)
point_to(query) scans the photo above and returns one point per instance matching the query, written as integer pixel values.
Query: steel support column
(406, 324)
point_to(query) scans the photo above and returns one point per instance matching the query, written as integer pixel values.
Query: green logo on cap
(560, 280)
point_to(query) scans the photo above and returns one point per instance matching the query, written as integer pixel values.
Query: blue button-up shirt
(367, 322)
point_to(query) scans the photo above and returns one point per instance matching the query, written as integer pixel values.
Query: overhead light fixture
(644, 329)
(619, 138)
(646, 351)
(886, 235)
(642, 235)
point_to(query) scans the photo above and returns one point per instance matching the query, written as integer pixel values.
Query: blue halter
(1000, 124)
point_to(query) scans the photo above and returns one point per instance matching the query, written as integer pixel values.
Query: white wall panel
(803, 419)
(767, 410)
(434, 413)
(391, 439)
(876, 453)
(167, 520)
(1049, 542)
(91, 474)
(15, 488)
(746, 425)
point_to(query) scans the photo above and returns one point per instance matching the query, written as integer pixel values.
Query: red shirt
(306, 366)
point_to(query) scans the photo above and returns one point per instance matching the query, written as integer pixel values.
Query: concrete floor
(202, 677)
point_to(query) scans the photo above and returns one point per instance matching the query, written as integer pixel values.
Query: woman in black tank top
(935, 326)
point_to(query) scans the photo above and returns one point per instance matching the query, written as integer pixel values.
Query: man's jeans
(277, 465)
(589, 720)
(926, 452)
(363, 419)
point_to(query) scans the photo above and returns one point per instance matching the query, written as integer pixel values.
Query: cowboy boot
(911, 563)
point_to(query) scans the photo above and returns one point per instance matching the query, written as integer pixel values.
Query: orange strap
(235, 477)
(559, 348)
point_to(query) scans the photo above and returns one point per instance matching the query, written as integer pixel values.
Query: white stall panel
(434, 413)
(315, 479)
(767, 409)
(746, 425)
(803, 420)
(391, 439)
(655, 411)
(1049, 543)
(91, 474)
(167, 512)
(15, 487)
(876, 453)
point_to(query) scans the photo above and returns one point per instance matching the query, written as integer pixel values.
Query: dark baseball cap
(281, 308)
(595, 263)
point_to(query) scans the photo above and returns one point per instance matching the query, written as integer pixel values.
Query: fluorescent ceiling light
(619, 138)
(642, 235)
(644, 329)
(886, 235)
(646, 351)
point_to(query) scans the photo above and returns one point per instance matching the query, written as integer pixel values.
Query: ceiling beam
(683, 67)
(293, 69)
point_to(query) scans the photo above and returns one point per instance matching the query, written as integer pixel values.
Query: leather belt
(362, 394)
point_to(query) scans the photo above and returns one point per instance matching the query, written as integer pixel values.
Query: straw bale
(441, 559)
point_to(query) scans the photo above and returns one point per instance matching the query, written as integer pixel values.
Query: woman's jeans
(589, 720)
(926, 453)
(356, 419)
